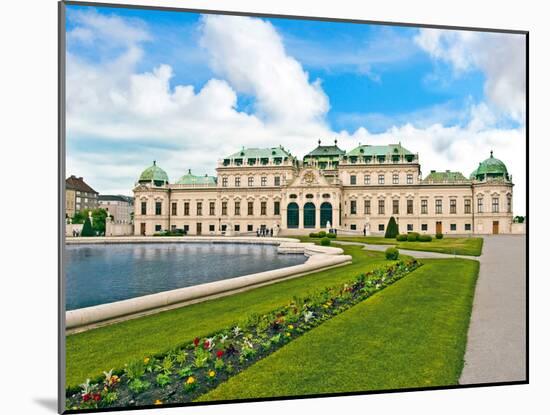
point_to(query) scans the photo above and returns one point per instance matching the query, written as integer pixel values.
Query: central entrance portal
(326, 214)
(309, 215)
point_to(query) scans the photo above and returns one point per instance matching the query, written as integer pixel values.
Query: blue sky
(359, 82)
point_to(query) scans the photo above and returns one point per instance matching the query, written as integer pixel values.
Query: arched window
(309, 215)
(292, 215)
(326, 214)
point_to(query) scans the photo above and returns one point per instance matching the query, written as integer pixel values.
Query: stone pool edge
(319, 258)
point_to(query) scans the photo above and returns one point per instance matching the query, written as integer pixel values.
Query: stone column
(300, 217)
(318, 223)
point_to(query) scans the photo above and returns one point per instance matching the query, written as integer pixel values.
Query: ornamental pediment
(309, 178)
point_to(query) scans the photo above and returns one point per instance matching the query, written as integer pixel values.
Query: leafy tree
(392, 230)
(87, 229)
(519, 219)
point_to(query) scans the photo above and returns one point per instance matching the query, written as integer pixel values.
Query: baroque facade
(354, 192)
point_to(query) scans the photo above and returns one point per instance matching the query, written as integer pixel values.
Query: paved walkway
(496, 348)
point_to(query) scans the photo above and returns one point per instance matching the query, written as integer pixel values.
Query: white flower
(377, 286)
(236, 331)
(210, 341)
(223, 338)
(308, 315)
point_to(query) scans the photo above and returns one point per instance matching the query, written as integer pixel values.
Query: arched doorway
(292, 215)
(326, 214)
(309, 215)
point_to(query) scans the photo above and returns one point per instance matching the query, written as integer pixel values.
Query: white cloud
(143, 116)
(500, 56)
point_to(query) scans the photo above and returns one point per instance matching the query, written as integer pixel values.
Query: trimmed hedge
(325, 241)
(424, 238)
(412, 236)
(438, 236)
(392, 254)
(87, 229)
(331, 235)
(322, 234)
(313, 235)
(401, 237)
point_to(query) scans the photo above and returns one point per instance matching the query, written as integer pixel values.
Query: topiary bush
(392, 254)
(331, 235)
(322, 234)
(325, 241)
(424, 238)
(401, 237)
(412, 237)
(438, 236)
(313, 235)
(392, 230)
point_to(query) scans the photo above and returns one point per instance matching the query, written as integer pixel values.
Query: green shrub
(322, 234)
(401, 237)
(313, 235)
(87, 229)
(392, 230)
(438, 236)
(424, 238)
(331, 235)
(412, 237)
(392, 253)
(325, 241)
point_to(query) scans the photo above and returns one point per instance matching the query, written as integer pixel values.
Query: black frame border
(61, 200)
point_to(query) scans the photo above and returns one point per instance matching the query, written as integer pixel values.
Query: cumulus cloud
(120, 118)
(500, 56)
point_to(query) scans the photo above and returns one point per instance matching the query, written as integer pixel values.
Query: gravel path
(496, 348)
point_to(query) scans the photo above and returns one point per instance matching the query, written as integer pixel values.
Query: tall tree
(392, 230)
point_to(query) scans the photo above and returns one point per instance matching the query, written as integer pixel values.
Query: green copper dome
(490, 168)
(154, 174)
(191, 179)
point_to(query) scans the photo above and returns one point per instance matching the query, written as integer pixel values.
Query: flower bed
(183, 374)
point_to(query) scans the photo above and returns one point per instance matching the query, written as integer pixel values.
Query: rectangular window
(144, 208)
(186, 228)
(186, 209)
(353, 207)
(409, 227)
(395, 206)
(509, 204)
(452, 206)
(224, 181)
(277, 208)
(381, 227)
(480, 205)
(438, 206)
(237, 228)
(395, 178)
(238, 181)
(424, 226)
(237, 208)
(174, 209)
(212, 209)
(467, 227)
(251, 181)
(495, 204)
(212, 228)
(453, 226)
(263, 208)
(224, 208)
(380, 179)
(409, 206)
(250, 208)
(367, 207)
(353, 179)
(158, 228)
(277, 180)
(249, 228)
(381, 207)
(199, 208)
(158, 208)
(263, 181)
(409, 178)
(353, 227)
(467, 206)
(367, 179)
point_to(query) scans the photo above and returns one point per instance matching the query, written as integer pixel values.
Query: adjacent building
(79, 196)
(355, 191)
(120, 207)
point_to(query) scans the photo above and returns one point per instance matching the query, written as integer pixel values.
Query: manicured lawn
(92, 352)
(411, 334)
(454, 246)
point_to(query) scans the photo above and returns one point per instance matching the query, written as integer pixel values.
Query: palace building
(354, 192)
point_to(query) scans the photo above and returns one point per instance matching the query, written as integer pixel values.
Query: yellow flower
(158, 402)
(190, 380)
(211, 374)
(146, 360)
(290, 327)
(287, 334)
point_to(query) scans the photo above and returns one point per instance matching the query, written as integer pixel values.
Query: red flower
(196, 341)
(219, 354)
(86, 397)
(206, 344)
(97, 397)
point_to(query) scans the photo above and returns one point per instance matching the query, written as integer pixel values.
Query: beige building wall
(70, 203)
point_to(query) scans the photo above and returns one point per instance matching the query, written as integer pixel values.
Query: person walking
(271, 232)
